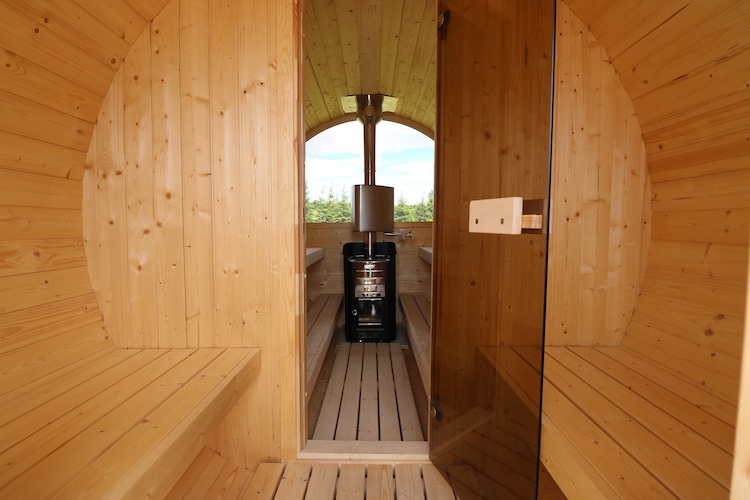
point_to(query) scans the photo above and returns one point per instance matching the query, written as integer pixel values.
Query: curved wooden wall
(56, 65)
(600, 206)
(191, 200)
(684, 66)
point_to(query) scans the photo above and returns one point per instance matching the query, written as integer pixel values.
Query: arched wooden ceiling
(370, 47)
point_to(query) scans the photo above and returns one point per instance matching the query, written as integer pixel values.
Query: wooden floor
(369, 396)
(211, 476)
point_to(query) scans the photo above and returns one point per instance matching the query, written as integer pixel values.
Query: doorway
(492, 116)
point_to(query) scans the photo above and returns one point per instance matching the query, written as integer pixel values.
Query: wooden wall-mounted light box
(505, 215)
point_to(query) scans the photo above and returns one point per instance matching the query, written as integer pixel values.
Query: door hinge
(442, 23)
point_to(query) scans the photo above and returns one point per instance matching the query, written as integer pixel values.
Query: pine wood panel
(22, 116)
(30, 223)
(196, 165)
(28, 256)
(187, 216)
(176, 395)
(167, 183)
(28, 325)
(25, 154)
(31, 81)
(368, 397)
(327, 276)
(29, 290)
(322, 319)
(29, 39)
(29, 190)
(740, 479)
(97, 40)
(600, 206)
(416, 320)
(318, 481)
(370, 47)
(617, 406)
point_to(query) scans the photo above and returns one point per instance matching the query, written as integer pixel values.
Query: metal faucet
(400, 234)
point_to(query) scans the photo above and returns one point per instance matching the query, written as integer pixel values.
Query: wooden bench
(82, 418)
(617, 424)
(322, 315)
(416, 310)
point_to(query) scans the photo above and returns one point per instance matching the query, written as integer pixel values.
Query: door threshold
(365, 451)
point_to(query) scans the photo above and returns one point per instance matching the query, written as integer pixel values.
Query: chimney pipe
(369, 112)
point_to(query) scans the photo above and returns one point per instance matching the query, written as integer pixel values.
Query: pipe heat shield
(372, 208)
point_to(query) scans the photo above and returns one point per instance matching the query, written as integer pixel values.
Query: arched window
(334, 161)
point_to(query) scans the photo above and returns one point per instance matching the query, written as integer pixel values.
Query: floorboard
(369, 396)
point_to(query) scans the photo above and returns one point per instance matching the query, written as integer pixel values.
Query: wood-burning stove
(370, 292)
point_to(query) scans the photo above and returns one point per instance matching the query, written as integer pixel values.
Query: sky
(404, 159)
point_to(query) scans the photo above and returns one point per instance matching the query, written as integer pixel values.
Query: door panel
(493, 141)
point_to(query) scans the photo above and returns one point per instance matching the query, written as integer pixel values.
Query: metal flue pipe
(369, 113)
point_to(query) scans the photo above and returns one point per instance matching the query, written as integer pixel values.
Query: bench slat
(697, 396)
(704, 454)
(84, 431)
(324, 313)
(656, 457)
(167, 439)
(622, 473)
(329, 411)
(390, 429)
(418, 330)
(700, 421)
(70, 407)
(407, 410)
(45, 389)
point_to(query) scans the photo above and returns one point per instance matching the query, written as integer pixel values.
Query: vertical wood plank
(168, 177)
(196, 173)
(140, 174)
(111, 202)
(225, 172)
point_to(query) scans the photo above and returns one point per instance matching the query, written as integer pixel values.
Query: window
(334, 161)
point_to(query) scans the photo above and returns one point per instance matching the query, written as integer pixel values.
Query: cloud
(405, 160)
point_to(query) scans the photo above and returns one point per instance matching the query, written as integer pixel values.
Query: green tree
(402, 212)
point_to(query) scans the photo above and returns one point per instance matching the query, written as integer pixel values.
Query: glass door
(495, 62)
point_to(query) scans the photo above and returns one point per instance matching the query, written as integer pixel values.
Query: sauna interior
(155, 293)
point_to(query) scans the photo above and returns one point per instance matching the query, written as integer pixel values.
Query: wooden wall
(56, 64)
(684, 66)
(327, 275)
(191, 200)
(600, 202)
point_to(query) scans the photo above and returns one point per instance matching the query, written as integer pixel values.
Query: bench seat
(416, 310)
(82, 418)
(615, 424)
(322, 315)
